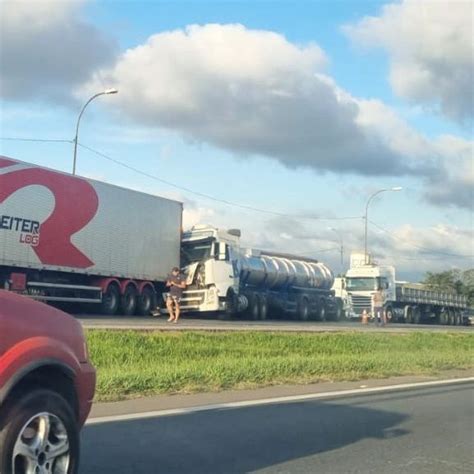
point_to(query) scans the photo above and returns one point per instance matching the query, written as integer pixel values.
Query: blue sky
(196, 159)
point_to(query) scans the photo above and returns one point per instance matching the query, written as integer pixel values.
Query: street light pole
(397, 188)
(341, 241)
(106, 92)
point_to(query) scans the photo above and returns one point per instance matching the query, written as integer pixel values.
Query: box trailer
(71, 239)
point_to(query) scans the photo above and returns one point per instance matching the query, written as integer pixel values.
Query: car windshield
(362, 284)
(195, 251)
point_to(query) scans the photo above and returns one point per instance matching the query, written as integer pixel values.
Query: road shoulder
(169, 403)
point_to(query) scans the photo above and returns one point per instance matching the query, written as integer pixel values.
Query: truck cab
(342, 298)
(364, 280)
(209, 258)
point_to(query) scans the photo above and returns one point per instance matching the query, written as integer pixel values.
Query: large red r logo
(76, 203)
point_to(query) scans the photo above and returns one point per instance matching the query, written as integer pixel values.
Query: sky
(280, 118)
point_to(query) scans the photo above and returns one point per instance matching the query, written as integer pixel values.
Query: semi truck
(224, 276)
(403, 301)
(64, 238)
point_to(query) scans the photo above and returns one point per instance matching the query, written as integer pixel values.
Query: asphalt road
(418, 431)
(214, 324)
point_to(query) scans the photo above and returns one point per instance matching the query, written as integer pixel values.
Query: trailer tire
(146, 301)
(262, 308)
(303, 309)
(128, 301)
(321, 311)
(253, 308)
(416, 315)
(443, 318)
(110, 300)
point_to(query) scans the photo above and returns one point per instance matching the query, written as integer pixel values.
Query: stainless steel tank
(273, 272)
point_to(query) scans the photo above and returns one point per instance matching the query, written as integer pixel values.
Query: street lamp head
(396, 188)
(111, 91)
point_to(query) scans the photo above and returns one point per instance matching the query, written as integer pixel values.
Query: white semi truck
(223, 276)
(403, 301)
(69, 239)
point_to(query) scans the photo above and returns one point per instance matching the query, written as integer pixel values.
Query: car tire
(23, 419)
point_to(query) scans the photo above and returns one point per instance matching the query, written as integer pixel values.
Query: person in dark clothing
(176, 283)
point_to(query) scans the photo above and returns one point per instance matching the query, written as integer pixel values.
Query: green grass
(133, 364)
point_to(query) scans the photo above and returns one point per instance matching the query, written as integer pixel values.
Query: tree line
(461, 282)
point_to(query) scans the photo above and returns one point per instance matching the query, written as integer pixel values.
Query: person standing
(176, 284)
(377, 303)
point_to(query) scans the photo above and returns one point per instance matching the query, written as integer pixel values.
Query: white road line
(269, 401)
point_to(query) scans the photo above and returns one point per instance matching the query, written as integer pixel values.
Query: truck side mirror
(223, 251)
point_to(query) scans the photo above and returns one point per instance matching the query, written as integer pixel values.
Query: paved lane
(419, 431)
(212, 324)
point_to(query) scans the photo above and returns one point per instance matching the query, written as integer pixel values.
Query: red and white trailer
(71, 239)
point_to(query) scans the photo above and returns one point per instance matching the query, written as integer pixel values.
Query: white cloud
(47, 49)
(453, 184)
(254, 93)
(430, 44)
(251, 92)
(413, 250)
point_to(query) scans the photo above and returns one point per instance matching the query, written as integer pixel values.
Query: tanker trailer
(221, 276)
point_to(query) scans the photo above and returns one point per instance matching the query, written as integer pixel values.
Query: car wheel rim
(42, 446)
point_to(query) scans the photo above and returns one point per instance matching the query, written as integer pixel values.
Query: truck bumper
(206, 300)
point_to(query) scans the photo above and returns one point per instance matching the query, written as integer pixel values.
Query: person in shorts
(176, 284)
(377, 303)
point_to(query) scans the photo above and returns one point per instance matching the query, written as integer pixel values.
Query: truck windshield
(362, 284)
(196, 251)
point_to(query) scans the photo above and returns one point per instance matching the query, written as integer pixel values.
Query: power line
(41, 140)
(207, 196)
(176, 186)
(425, 249)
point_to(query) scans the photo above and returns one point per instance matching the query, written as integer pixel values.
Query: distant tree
(460, 282)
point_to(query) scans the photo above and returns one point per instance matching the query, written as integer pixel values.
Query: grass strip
(132, 364)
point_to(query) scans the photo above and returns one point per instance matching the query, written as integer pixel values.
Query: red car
(46, 387)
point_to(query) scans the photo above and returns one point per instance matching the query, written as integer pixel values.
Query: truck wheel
(339, 314)
(38, 433)
(303, 309)
(146, 301)
(253, 309)
(110, 300)
(443, 318)
(321, 311)
(416, 315)
(389, 314)
(128, 301)
(231, 303)
(263, 308)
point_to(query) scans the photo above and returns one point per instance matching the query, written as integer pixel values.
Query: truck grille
(359, 303)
